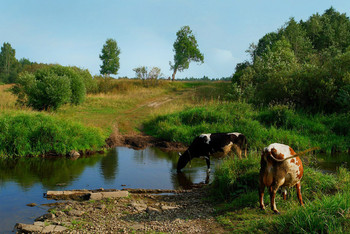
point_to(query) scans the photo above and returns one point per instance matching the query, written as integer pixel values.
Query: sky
(72, 32)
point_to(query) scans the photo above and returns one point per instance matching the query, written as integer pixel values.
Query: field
(178, 111)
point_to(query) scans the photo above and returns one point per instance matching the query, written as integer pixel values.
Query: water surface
(23, 181)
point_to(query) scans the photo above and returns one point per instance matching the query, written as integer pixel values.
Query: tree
(8, 63)
(141, 72)
(152, 76)
(110, 58)
(186, 50)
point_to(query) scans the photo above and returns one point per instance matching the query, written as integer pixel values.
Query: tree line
(305, 64)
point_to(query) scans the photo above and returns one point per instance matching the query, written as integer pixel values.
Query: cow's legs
(273, 189)
(261, 195)
(298, 187)
(238, 150)
(284, 193)
(207, 160)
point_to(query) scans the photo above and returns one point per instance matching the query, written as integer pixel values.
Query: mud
(142, 141)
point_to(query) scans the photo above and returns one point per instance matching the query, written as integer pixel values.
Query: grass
(326, 198)
(34, 134)
(261, 127)
(125, 106)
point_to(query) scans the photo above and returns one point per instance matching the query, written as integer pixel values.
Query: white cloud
(223, 56)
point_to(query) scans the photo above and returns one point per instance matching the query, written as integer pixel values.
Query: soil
(182, 211)
(141, 141)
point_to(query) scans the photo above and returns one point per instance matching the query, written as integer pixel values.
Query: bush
(40, 134)
(50, 87)
(50, 92)
(89, 81)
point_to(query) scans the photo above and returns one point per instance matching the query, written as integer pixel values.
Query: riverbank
(184, 211)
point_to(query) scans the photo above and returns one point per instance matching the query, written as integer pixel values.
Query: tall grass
(23, 134)
(326, 198)
(262, 128)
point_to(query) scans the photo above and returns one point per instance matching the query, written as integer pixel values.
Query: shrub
(50, 87)
(50, 92)
(89, 81)
(40, 134)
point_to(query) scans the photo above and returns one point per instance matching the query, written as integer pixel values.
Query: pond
(23, 181)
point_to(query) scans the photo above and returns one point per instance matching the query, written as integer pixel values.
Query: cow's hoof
(262, 207)
(276, 212)
(208, 171)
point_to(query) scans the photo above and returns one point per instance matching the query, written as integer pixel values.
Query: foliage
(304, 63)
(151, 77)
(110, 57)
(89, 82)
(24, 134)
(8, 64)
(186, 50)
(50, 87)
(273, 124)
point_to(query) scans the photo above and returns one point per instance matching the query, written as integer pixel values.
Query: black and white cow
(213, 144)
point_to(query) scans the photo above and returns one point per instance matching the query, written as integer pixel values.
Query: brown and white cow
(213, 144)
(280, 167)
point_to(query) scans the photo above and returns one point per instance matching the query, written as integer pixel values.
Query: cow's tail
(245, 146)
(295, 155)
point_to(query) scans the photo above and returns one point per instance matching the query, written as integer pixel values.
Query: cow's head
(183, 160)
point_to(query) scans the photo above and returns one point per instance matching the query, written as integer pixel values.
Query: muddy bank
(141, 141)
(142, 211)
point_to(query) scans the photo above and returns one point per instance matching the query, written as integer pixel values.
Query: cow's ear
(179, 154)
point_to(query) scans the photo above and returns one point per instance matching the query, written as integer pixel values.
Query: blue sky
(72, 32)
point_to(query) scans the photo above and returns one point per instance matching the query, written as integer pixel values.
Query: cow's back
(290, 169)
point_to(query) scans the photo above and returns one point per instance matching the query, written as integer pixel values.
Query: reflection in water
(109, 166)
(330, 163)
(27, 172)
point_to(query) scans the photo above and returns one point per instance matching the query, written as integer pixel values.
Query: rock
(45, 217)
(27, 228)
(139, 206)
(60, 213)
(48, 229)
(101, 206)
(54, 193)
(165, 207)
(75, 213)
(74, 155)
(152, 210)
(95, 196)
(59, 228)
(115, 194)
(39, 223)
(31, 204)
(137, 226)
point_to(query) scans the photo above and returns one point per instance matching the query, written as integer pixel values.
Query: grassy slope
(127, 107)
(326, 199)
(178, 111)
